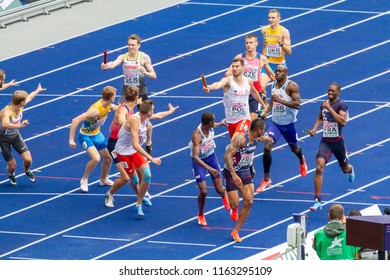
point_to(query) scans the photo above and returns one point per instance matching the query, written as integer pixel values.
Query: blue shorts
(200, 172)
(326, 149)
(97, 140)
(287, 131)
(254, 105)
(272, 66)
(245, 175)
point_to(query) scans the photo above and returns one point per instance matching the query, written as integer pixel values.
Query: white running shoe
(148, 195)
(109, 200)
(84, 185)
(107, 182)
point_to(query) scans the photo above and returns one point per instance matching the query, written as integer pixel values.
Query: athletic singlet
(273, 51)
(114, 127)
(236, 101)
(132, 76)
(207, 145)
(14, 120)
(243, 158)
(92, 126)
(332, 131)
(252, 70)
(124, 145)
(282, 114)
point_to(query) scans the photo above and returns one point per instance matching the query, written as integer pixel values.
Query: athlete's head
(274, 17)
(109, 93)
(208, 118)
(251, 42)
(131, 93)
(133, 43)
(237, 67)
(334, 90)
(18, 97)
(257, 125)
(281, 73)
(147, 107)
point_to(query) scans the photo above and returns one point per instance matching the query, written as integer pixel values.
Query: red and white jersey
(252, 70)
(236, 101)
(124, 145)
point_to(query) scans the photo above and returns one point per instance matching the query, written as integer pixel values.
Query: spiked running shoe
(303, 167)
(12, 180)
(225, 201)
(106, 182)
(109, 200)
(146, 201)
(234, 214)
(140, 213)
(84, 185)
(264, 184)
(351, 176)
(202, 220)
(30, 176)
(316, 206)
(235, 236)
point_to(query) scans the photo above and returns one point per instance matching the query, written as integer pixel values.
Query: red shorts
(128, 162)
(240, 127)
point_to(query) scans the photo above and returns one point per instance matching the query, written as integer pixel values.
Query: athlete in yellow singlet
(91, 138)
(276, 45)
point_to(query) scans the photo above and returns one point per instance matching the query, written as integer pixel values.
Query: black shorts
(16, 142)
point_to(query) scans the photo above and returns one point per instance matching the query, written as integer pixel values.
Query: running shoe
(148, 195)
(107, 182)
(351, 176)
(138, 209)
(146, 201)
(109, 200)
(30, 176)
(84, 185)
(234, 214)
(303, 167)
(202, 220)
(12, 180)
(316, 206)
(225, 201)
(235, 236)
(264, 184)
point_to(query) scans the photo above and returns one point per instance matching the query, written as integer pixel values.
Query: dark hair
(257, 124)
(239, 60)
(207, 117)
(354, 212)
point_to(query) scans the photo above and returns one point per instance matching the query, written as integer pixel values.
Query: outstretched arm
(223, 83)
(160, 115)
(33, 94)
(113, 64)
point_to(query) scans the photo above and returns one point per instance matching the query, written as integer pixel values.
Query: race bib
(274, 50)
(331, 129)
(278, 109)
(238, 109)
(131, 78)
(252, 73)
